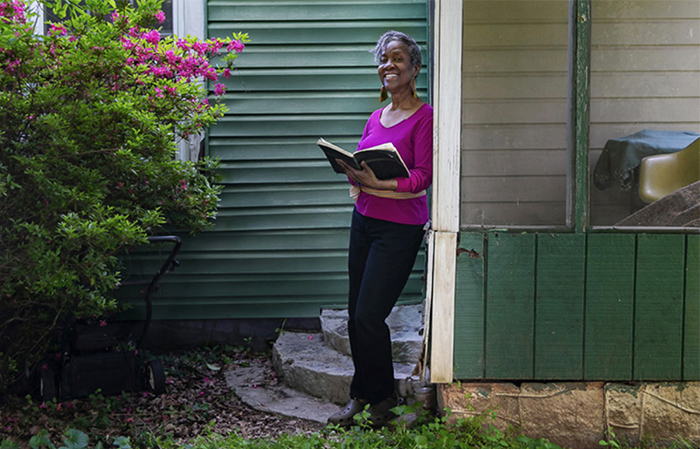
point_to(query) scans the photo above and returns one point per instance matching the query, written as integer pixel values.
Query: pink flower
(103, 323)
(219, 89)
(57, 30)
(152, 37)
(211, 74)
(200, 47)
(43, 405)
(127, 43)
(227, 72)
(160, 16)
(171, 56)
(216, 45)
(236, 46)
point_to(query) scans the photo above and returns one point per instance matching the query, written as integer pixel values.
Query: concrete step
(307, 364)
(405, 323)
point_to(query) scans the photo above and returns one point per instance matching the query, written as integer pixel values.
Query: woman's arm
(422, 169)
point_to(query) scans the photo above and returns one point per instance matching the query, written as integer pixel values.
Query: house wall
(279, 246)
(645, 74)
(570, 306)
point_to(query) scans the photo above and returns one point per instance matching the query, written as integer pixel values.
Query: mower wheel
(155, 377)
(47, 384)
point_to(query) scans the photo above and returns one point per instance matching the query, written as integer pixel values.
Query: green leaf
(213, 367)
(41, 440)
(122, 443)
(7, 444)
(75, 439)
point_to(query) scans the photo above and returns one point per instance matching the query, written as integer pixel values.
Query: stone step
(308, 365)
(405, 323)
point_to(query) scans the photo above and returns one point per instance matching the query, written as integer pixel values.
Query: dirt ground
(197, 400)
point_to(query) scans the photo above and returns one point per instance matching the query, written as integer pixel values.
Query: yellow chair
(662, 174)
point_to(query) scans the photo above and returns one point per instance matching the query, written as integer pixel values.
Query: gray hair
(391, 36)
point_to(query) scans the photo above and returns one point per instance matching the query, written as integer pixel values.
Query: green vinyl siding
(589, 307)
(279, 246)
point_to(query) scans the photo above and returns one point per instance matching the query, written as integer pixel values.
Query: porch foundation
(577, 414)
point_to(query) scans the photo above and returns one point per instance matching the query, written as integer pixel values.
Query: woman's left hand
(367, 178)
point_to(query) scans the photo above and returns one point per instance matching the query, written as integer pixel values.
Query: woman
(387, 227)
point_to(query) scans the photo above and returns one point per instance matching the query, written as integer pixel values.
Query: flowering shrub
(89, 117)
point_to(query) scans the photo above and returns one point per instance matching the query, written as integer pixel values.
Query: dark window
(166, 27)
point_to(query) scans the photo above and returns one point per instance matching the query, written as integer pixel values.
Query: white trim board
(447, 82)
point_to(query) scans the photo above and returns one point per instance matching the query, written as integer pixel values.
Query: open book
(383, 159)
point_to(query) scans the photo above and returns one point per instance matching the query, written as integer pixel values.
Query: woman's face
(395, 69)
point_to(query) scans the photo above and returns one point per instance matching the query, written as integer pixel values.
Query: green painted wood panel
(691, 338)
(658, 327)
(596, 307)
(510, 306)
(609, 312)
(559, 306)
(469, 311)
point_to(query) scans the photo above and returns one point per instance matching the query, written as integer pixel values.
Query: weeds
(198, 411)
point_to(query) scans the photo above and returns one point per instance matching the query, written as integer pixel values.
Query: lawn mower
(94, 357)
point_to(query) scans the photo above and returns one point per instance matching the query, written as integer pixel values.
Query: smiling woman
(388, 225)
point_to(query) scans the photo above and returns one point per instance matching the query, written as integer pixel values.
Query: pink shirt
(413, 138)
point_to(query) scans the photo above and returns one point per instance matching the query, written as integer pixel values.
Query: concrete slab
(405, 324)
(248, 385)
(306, 364)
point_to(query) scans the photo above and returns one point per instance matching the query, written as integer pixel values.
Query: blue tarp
(621, 156)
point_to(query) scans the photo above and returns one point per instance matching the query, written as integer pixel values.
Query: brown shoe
(344, 418)
(380, 414)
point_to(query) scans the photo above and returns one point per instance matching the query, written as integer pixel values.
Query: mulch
(197, 401)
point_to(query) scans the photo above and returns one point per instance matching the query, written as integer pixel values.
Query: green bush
(89, 117)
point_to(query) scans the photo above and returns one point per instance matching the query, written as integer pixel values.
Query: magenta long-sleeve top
(413, 138)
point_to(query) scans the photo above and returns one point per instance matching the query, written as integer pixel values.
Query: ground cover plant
(199, 411)
(89, 118)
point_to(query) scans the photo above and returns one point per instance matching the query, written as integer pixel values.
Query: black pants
(381, 257)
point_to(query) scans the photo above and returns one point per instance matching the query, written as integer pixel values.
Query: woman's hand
(367, 178)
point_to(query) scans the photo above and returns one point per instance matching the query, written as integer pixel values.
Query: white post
(188, 19)
(447, 88)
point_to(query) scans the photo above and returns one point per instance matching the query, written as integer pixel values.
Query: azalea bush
(90, 116)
